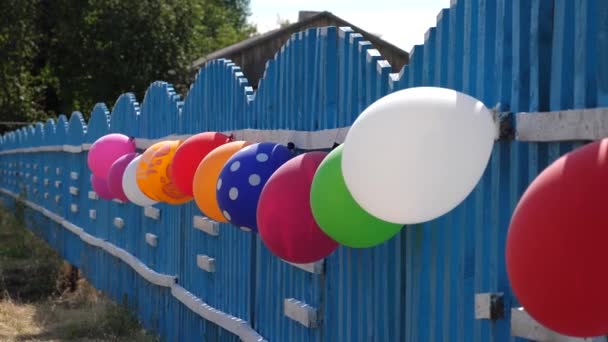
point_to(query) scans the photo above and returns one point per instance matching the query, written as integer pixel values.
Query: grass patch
(28, 266)
(37, 303)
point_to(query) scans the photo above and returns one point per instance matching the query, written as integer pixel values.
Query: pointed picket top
(31, 136)
(49, 132)
(201, 103)
(160, 111)
(12, 140)
(20, 137)
(125, 115)
(27, 136)
(99, 123)
(61, 130)
(40, 139)
(76, 129)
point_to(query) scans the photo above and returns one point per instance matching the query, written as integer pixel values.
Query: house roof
(295, 27)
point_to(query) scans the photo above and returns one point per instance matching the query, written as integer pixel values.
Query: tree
(57, 56)
(282, 22)
(22, 87)
(108, 47)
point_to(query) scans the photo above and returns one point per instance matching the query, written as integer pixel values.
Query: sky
(400, 22)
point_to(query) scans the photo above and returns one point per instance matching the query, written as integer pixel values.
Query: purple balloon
(115, 176)
(100, 186)
(106, 150)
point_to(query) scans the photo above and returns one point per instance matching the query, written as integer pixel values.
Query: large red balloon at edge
(189, 154)
(285, 220)
(556, 245)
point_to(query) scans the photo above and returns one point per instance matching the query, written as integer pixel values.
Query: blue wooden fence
(516, 56)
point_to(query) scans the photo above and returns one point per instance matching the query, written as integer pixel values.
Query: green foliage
(57, 56)
(22, 88)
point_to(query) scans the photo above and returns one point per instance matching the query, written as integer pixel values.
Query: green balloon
(337, 212)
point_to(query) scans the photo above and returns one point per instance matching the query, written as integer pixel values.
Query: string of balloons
(410, 157)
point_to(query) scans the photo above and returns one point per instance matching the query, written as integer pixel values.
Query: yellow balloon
(205, 180)
(154, 173)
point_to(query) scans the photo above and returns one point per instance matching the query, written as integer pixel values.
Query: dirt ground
(44, 299)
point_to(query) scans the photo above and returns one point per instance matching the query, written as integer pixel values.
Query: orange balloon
(206, 177)
(154, 173)
(141, 173)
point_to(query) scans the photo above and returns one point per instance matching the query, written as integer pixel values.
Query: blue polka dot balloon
(242, 179)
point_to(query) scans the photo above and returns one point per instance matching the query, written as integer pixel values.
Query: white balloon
(416, 154)
(129, 185)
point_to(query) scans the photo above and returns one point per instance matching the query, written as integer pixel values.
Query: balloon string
(336, 143)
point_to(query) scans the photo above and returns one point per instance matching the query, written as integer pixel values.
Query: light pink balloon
(106, 150)
(115, 176)
(100, 186)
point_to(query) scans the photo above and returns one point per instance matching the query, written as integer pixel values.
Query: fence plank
(527, 56)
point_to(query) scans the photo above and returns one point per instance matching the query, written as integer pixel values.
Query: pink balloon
(115, 176)
(106, 150)
(285, 219)
(100, 186)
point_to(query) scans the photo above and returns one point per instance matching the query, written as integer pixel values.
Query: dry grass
(37, 304)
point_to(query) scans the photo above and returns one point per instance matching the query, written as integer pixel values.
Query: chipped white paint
(74, 175)
(233, 324)
(205, 263)
(92, 214)
(151, 239)
(93, 195)
(578, 124)
(522, 325)
(72, 148)
(484, 303)
(119, 222)
(74, 190)
(300, 312)
(313, 267)
(206, 225)
(152, 213)
(74, 208)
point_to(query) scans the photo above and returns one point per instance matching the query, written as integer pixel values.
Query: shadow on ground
(43, 298)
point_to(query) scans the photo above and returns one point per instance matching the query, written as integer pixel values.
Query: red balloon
(285, 220)
(189, 154)
(100, 186)
(115, 176)
(555, 245)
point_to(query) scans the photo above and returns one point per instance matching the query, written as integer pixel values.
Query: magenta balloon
(115, 176)
(106, 150)
(100, 186)
(285, 221)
